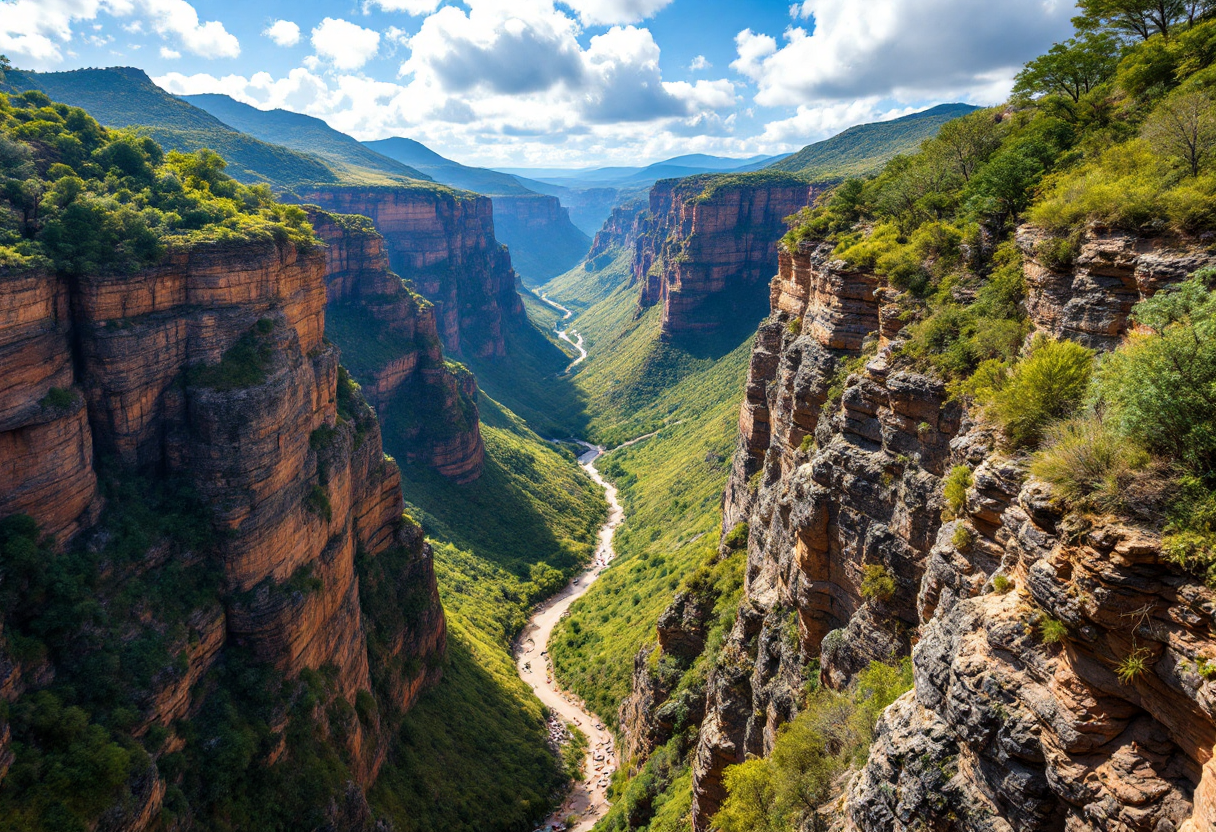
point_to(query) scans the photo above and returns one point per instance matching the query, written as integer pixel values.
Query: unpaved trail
(589, 798)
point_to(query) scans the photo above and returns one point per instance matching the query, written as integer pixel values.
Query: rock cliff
(210, 370)
(840, 463)
(390, 345)
(708, 242)
(443, 242)
(537, 229)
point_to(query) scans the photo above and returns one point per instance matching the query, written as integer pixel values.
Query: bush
(1087, 463)
(954, 489)
(794, 327)
(1132, 666)
(58, 399)
(1048, 384)
(962, 538)
(877, 583)
(1001, 583)
(737, 537)
(1052, 631)
(1157, 389)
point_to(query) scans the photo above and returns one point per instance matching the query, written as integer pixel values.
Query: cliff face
(708, 244)
(210, 369)
(443, 241)
(835, 473)
(542, 240)
(390, 344)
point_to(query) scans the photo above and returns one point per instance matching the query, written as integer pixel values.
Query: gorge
(866, 487)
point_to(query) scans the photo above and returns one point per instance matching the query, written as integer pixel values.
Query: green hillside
(122, 97)
(441, 169)
(865, 148)
(303, 133)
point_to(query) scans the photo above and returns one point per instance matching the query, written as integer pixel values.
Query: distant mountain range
(864, 149)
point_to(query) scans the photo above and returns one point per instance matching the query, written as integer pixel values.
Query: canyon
(840, 463)
(210, 368)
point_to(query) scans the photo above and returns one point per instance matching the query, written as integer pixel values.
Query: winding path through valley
(589, 798)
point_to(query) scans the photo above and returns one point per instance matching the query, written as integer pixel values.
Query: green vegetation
(1002, 583)
(1052, 631)
(1047, 384)
(1132, 666)
(864, 149)
(832, 733)
(877, 583)
(962, 538)
(954, 489)
(244, 364)
(89, 200)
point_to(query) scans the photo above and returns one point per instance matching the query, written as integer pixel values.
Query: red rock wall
(408, 363)
(703, 257)
(294, 489)
(443, 241)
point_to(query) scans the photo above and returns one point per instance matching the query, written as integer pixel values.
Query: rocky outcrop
(211, 369)
(443, 242)
(620, 230)
(390, 344)
(709, 242)
(1085, 289)
(838, 474)
(540, 236)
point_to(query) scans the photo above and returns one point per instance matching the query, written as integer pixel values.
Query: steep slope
(711, 244)
(303, 133)
(443, 242)
(536, 228)
(865, 148)
(249, 522)
(126, 97)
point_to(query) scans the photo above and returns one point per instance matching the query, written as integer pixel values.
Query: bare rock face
(1088, 300)
(390, 344)
(836, 475)
(443, 241)
(212, 367)
(708, 243)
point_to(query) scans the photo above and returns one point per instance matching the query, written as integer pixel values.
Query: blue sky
(548, 83)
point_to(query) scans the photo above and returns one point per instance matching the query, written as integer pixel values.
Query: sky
(551, 83)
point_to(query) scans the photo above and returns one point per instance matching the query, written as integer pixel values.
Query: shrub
(1058, 253)
(794, 327)
(1052, 631)
(1001, 583)
(736, 538)
(807, 445)
(1206, 668)
(1157, 388)
(1132, 666)
(954, 489)
(1046, 385)
(243, 365)
(1087, 463)
(317, 501)
(877, 583)
(58, 399)
(962, 538)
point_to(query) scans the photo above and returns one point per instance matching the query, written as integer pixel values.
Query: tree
(970, 140)
(1140, 19)
(1183, 127)
(1070, 69)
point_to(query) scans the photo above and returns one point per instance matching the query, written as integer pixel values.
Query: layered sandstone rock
(537, 229)
(443, 241)
(1003, 731)
(709, 242)
(211, 368)
(390, 344)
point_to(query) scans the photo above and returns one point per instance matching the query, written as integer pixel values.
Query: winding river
(588, 799)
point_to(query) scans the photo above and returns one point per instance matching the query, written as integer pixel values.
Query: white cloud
(179, 19)
(35, 30)
(810, 124)
(416, 8)
(699, 63)
(344, 44)
(135, 27)
(169, 54)
(905, 49)
(283, 32)
(614, 12)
